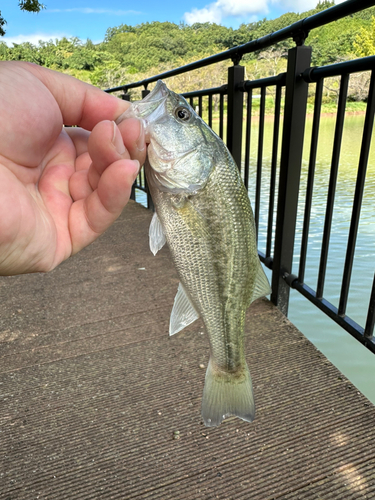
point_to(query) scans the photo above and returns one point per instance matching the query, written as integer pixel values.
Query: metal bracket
(300, 36)
(290, 279)
(236, 58)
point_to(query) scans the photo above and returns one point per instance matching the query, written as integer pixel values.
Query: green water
(354, 360)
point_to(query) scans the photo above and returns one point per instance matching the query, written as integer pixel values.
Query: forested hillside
(130, 53)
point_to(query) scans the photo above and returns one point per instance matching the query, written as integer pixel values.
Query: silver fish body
(204, 214)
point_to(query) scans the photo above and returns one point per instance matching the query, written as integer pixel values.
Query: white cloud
(242, 7)
(295, 5)
(220, 9)
(87, 10)
(215, 12)
(298, 5)
(210, 14)
(33, 38)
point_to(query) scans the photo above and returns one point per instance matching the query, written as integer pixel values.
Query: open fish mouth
(149, 109)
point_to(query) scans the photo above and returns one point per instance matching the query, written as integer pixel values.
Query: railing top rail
(298, 31)
(215, 90)
(364, 64)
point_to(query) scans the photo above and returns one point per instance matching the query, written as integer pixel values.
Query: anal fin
(262, 286)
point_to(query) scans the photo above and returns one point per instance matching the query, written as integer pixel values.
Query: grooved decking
(92, 392)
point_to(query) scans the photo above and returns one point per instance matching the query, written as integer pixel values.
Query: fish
(203, 212)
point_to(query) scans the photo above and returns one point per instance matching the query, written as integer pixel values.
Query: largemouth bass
(204, 214)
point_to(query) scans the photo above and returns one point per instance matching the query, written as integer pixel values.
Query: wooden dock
(97, 402)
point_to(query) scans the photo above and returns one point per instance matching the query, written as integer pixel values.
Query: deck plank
(92, 390)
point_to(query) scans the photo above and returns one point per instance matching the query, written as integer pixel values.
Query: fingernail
(117, 140)
(137, 164)
(141, 138)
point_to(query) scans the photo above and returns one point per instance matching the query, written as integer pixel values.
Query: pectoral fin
(262, 286)
(156, 235)
(183, 312)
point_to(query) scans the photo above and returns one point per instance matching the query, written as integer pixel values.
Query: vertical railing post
(150, 203)
(296, 92)
(236, 74)
(126, 97)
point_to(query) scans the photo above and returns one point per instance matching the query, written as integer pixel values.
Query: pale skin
(60, 188)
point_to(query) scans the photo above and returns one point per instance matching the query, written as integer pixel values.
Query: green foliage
(2, 23)
(31, 5)
(131, 53)
(366, 14)
(364, 43)
(27, 5)
(335, 41)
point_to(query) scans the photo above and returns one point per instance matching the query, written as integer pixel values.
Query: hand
(60, 188)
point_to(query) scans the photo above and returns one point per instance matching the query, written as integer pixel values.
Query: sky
(90, 19)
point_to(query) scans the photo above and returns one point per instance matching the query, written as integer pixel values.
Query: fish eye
(183, 114)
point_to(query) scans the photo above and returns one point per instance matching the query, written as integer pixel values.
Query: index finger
(80, 103)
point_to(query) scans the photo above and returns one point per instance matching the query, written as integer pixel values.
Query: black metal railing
(290, 91)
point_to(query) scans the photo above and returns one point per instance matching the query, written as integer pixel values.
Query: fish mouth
(152, 105)
(160, 88)
(149, 108)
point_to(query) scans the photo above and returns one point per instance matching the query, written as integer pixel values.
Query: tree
(364, 44)
(27, 5)
(334, 42)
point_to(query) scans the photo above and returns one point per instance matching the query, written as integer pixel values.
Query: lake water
(355, 361)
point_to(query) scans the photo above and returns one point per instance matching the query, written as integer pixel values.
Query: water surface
(354, 360)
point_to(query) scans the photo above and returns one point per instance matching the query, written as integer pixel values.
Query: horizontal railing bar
(270, 81)
(314, 74)
(205, 92)
(267, 261)
(330, 310)
(303, 26)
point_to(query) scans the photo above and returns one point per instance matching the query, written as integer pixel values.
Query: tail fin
(227, 394)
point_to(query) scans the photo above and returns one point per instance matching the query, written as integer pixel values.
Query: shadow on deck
(94, 392)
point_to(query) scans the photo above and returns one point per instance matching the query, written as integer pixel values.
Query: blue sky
(90, 19)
